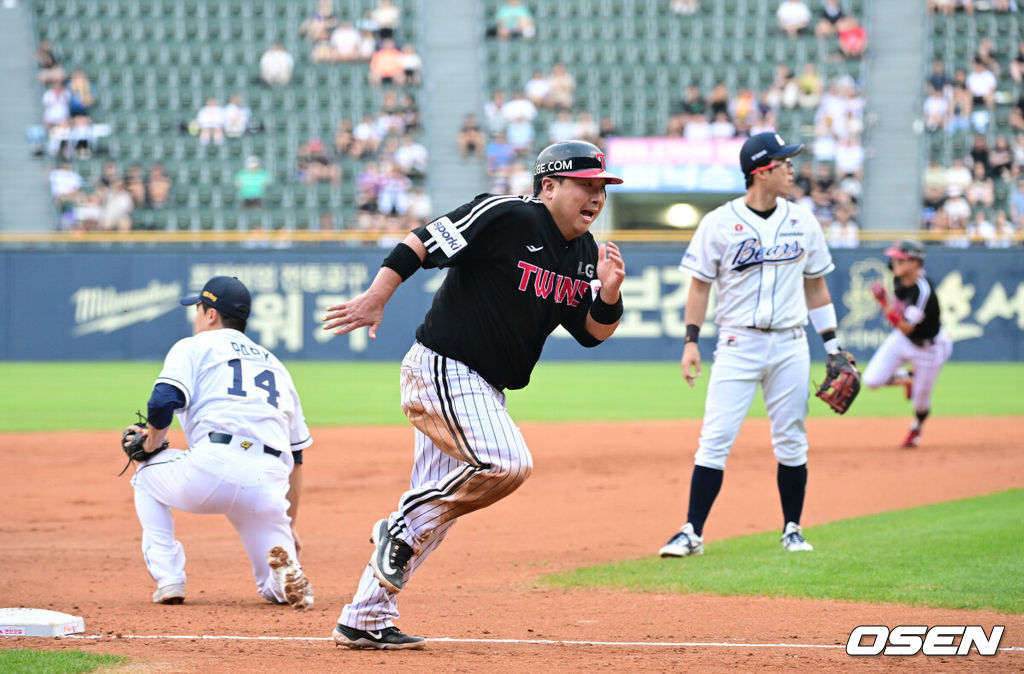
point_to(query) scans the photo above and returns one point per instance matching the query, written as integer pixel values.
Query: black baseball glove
(133, 442)
(842, 382)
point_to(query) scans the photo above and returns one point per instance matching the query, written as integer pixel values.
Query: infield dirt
(599, 492)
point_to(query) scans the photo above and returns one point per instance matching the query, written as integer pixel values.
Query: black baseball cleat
(391, 558)
(386, 639)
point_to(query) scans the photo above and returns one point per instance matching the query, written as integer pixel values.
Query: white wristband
(823, 318)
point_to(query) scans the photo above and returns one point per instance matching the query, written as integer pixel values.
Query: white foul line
(538, 642)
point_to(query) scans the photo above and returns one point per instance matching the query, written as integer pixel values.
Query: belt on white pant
(226, 438)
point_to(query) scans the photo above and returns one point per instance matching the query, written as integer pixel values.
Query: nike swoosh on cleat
(534, 249)
(375, 635)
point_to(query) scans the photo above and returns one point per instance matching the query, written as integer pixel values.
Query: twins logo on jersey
(752, 254)
(567, 290)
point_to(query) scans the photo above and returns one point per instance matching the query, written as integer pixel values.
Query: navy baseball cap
(226, 294)
(760, 149)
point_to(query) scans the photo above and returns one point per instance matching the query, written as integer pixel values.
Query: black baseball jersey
(512, 279)
(922, 308)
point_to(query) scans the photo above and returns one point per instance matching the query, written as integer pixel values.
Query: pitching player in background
(917, 337)
(245, 431)
(768, 259)
(518, 267)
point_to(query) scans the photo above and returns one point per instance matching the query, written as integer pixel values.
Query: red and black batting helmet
(906, 250)
(573, 158)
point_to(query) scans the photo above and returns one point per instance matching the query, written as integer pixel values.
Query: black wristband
(827, 335)
(604, 313)
(403, 260)
(692, 333)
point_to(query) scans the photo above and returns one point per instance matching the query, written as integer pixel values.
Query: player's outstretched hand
(690, 364)
(878, 290)
(611, 269)
(364, 309)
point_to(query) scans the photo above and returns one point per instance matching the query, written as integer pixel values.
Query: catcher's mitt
(133, 442)
(842, 382)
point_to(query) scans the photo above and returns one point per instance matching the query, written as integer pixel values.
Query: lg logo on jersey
(914, 639)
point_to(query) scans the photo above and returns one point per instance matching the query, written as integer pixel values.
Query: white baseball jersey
(233, 385)
(758, 266)
(236, 388)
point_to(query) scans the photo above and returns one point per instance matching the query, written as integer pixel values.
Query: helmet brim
(590, 173)
(898, 253)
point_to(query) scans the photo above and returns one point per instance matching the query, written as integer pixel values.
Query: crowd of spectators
(833, 189)
(68, 133)
(67, 130)
(383, 150)
(110, 202)
(512, 128)
(978, 197)
(388, 162)
(373, 37)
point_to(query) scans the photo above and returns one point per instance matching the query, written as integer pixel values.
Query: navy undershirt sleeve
(162, 403)
(297, 456)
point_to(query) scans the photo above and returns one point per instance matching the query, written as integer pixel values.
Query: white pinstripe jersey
(233, 385)
(758, 265)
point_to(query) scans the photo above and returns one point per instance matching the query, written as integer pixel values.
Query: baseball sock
(704, 486)
(919, 419)
(792, 481)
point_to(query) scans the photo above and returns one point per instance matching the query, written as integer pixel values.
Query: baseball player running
(245, 431)
(518, 267)
(917, 337)
(768, 259)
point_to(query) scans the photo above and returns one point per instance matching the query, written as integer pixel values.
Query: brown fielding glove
(842, 382)
(133, 442)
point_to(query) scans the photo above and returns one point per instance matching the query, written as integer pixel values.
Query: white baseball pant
(249, 487)
(745, 357)
(927, 360)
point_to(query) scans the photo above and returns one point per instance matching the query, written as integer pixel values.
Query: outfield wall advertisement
(105, 305)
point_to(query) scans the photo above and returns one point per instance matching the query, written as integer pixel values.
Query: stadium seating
(954, 40)
(649, 54)
(153, 63)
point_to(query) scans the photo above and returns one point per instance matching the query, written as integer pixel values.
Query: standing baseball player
(245, 431)
(917, 337)
(767, 258)
(518, 267)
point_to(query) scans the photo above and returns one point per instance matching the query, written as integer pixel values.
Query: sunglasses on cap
(774, 165)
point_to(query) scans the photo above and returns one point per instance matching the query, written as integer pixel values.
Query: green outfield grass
(101, 395)
(962, 554)
(57, 662)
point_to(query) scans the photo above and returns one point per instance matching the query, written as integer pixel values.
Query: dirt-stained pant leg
(469, 454)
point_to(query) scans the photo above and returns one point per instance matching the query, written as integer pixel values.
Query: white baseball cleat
(170, 594)
(793, 540)
(290, 579)
(684, 544)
